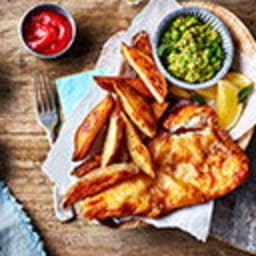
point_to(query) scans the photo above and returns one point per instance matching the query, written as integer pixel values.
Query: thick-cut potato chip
(179, 92)
(208, 93)
(91, 126)
(113, 137)
(159, 109)
(147, 71)
(97, 181)
(107, 83)
(87, 166)
(141, 41)
(138, 151)
(139, 111)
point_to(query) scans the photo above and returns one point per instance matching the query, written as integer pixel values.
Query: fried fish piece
(107, 83)
(138, 151)
(87, 166)
(97, 181)
(91, 126)
(128, 198)
(198, 161)
(195, 167)
(190, 117)
(139, 111)
(192, 167)
(113, 137)
(147, 71)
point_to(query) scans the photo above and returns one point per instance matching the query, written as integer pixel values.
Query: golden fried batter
(99, 180)
(195, 161)
(128, 198)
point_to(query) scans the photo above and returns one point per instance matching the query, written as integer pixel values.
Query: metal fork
(46, 104)
(48, 119)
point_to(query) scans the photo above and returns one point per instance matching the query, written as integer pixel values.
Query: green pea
(214, 45)
(168, 35)
(214, 60)
(218, 40)
(207, 53)
(182, 28)
(220, 53)
(163, 49)
(175, 35)
(199, 61)
(217, 65)
(209, 75)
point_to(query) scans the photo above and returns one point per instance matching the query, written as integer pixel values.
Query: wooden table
(23, 145)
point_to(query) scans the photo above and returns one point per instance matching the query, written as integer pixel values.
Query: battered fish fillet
(195, 161)
(132, 197)
(98, 180)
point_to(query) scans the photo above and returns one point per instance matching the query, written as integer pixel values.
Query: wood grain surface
(23, 144)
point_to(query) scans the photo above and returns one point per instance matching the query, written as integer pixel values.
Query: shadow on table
(5, 94)
(4, 162)
(5, 86)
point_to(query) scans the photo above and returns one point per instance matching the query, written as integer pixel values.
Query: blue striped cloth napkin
(17, 236)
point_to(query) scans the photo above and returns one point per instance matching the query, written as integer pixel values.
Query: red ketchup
(47, 32)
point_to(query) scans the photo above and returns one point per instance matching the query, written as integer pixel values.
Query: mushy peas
(191, 50)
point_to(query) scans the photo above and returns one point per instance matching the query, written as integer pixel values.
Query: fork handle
(51, 135)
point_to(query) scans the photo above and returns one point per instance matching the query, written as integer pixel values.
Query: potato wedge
(97, 181)
(123, 153)
(113, 138)
(147, 71)
(179, 93)
(91, 126)
(107, 83)
(138, 151)
(88, 166)
(139, 111)
(141, 41)
(159, 109)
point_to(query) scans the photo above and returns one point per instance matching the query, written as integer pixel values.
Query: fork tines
(45, 93)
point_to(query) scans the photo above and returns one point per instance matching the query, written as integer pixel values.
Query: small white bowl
(58, 9)
(213, 21)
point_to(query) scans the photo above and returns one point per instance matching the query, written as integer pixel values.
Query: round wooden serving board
(243, 39)
(244, 42)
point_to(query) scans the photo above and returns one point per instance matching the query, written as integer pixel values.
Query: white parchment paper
(197, 219)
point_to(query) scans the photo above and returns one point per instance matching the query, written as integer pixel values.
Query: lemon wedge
(179, 93)
(209, 93)
(228, 107)
(238, 79)
(235, 78)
